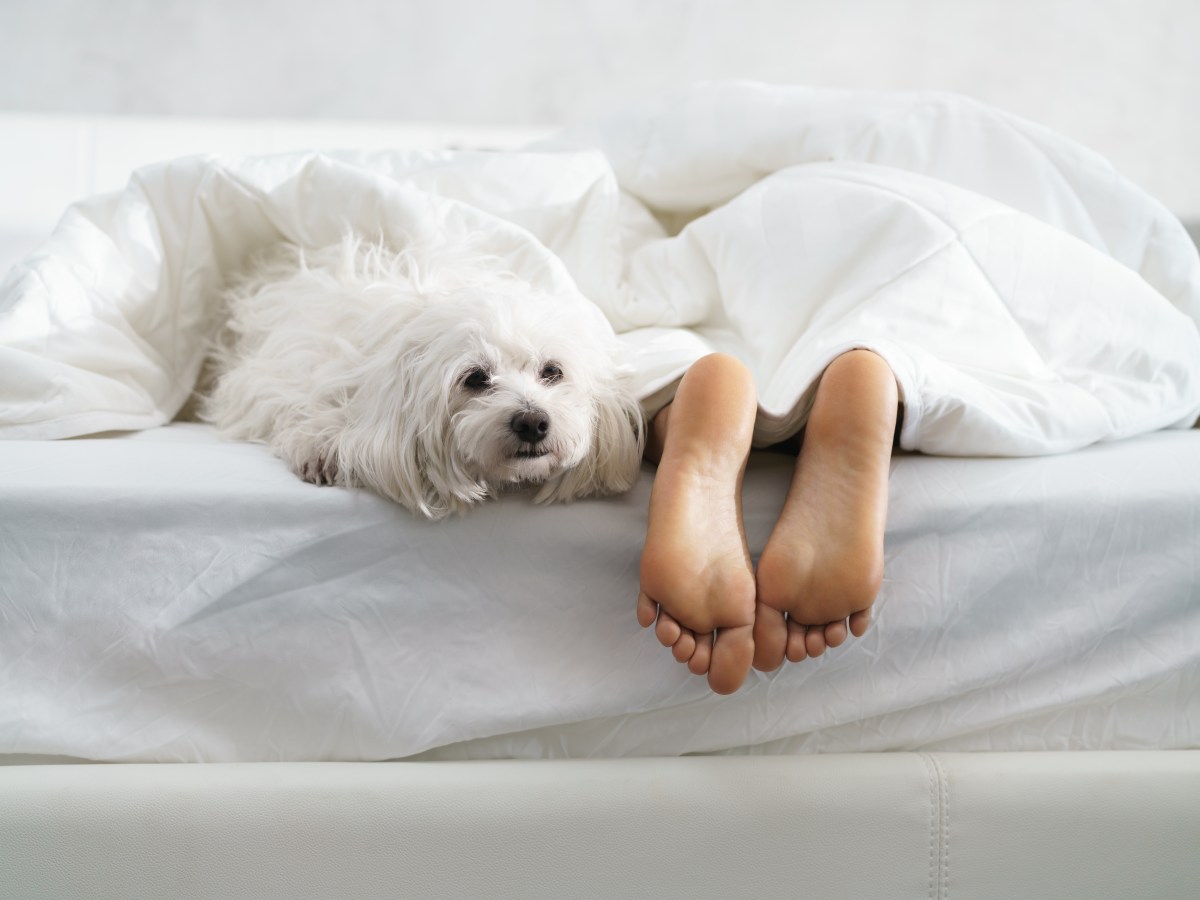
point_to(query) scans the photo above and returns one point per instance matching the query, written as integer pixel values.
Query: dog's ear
(398, 434)
(615, 458)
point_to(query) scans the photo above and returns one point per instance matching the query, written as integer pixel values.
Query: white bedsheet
(167, 596)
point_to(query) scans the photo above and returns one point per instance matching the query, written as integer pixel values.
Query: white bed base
(897, 825)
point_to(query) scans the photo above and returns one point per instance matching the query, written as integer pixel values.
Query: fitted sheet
(167, 596)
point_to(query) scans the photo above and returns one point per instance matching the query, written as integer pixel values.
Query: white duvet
(1027, 297)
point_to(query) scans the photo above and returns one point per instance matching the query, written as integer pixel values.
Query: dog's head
(490, 382)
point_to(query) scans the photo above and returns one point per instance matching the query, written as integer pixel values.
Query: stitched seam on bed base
(931, 775)
(939, 828)
(944, 829)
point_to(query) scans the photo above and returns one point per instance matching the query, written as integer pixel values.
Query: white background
(1119, 75)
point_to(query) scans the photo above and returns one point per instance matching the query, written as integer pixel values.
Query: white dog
(431, 376)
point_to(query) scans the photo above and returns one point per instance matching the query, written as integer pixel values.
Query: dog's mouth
(531, 453)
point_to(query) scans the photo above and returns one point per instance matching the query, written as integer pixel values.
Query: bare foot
(696, 574)
(823, 563)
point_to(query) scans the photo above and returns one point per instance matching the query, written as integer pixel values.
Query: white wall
(1120, 75)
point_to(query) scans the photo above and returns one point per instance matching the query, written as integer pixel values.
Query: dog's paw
(318, 470)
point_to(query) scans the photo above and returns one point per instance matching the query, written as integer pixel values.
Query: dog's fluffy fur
(406, 371)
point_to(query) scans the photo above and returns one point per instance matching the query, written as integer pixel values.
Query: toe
(814, 641)
(859, 622)
(683, 648)
(732, 653)
(647, 610)
(667, 630)
(796, 651)
(835, 633)
(702, 656)
(770, 638)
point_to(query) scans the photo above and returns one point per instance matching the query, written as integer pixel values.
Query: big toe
(770, 638)
(647, 610)
(733, 652)
(859, 622)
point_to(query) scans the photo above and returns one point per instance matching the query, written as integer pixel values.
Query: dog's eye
(476, 380)
(551, 374)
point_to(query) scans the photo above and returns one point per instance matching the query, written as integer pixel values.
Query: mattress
(167, 596)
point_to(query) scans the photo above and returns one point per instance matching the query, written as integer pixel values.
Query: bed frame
(912, 825)
(935, 825)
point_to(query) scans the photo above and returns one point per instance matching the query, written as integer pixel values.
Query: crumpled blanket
(1028, 298)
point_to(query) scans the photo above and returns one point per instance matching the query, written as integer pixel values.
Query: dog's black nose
(530, 426)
